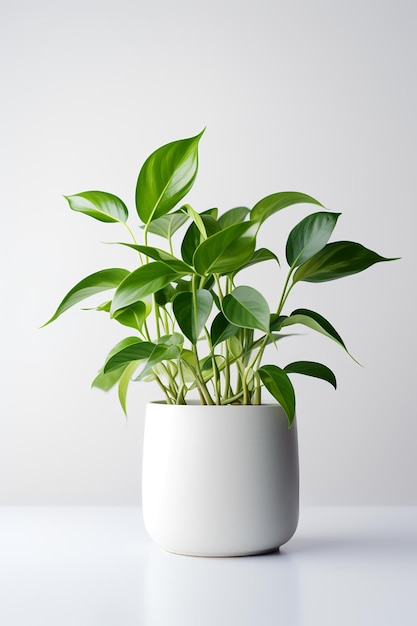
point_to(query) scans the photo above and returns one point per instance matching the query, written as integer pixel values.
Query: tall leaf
(124, 383)
(337, 260)
(192, 312)
(311, 368)
(101, 205)
(165, 178)
(142, 282)
(247, 308)
(278, 201)
(92, 284)
(280, 386)
(309, 236)
(226, 250)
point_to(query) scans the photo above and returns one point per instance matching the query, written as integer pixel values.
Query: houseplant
(177, 301)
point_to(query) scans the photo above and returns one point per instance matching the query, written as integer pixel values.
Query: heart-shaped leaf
(247, 308)
(312, 320)
(337, 260)
(280, 386)
(95, 283)
(165, 178)
(192, 311)
(309, 237)
(101, 205)
(311, 368)
(226, 250)
(278, 201)
(221, 329)
(134, 315)
(140, 283)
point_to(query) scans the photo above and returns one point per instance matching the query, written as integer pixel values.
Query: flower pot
(219, 480)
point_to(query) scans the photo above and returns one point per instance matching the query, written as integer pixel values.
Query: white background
(318, 97)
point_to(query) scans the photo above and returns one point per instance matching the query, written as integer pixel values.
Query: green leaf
(226, 250)
(124, 383)
(166, 225)
(89, 286)
(277, 201)
(337, 260)
(315, 321)
(107, 381)
(165, 178)
(259, 256)
(221, 329)
(280, 386)
(193, 236)
(197, 219)
(126, 351)
(142, 282)
(134, 315)
(101, 205)
(192, 312)
(173, 339)
(247, 308)
(160, 353)
(160, 255)
(233, 216)
(309, 236)
(310, 368)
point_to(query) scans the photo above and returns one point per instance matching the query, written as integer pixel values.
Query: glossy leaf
(160, 255)
(311, 368)
(259, 256)
(162, 352)
(192, 312)
(309, 236)
(337, 260)
(101, 205)
(89, 286)
(278, 201)
(124, 383)
(193, 236)
(221, 329)
(142, 282)
(247, 308)
(233, 216)
(197, 219)
(315, 321)
(166, 225)
(126, 351)
(227, 250)
(165, 178)
(279, 386)
(134, 315)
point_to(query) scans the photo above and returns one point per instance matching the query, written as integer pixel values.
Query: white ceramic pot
(219, 480)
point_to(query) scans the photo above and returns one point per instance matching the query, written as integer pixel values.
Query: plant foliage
(195, 328)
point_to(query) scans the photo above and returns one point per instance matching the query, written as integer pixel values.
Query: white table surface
(88, 566)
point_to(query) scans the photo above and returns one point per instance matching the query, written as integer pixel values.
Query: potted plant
(220, 473)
